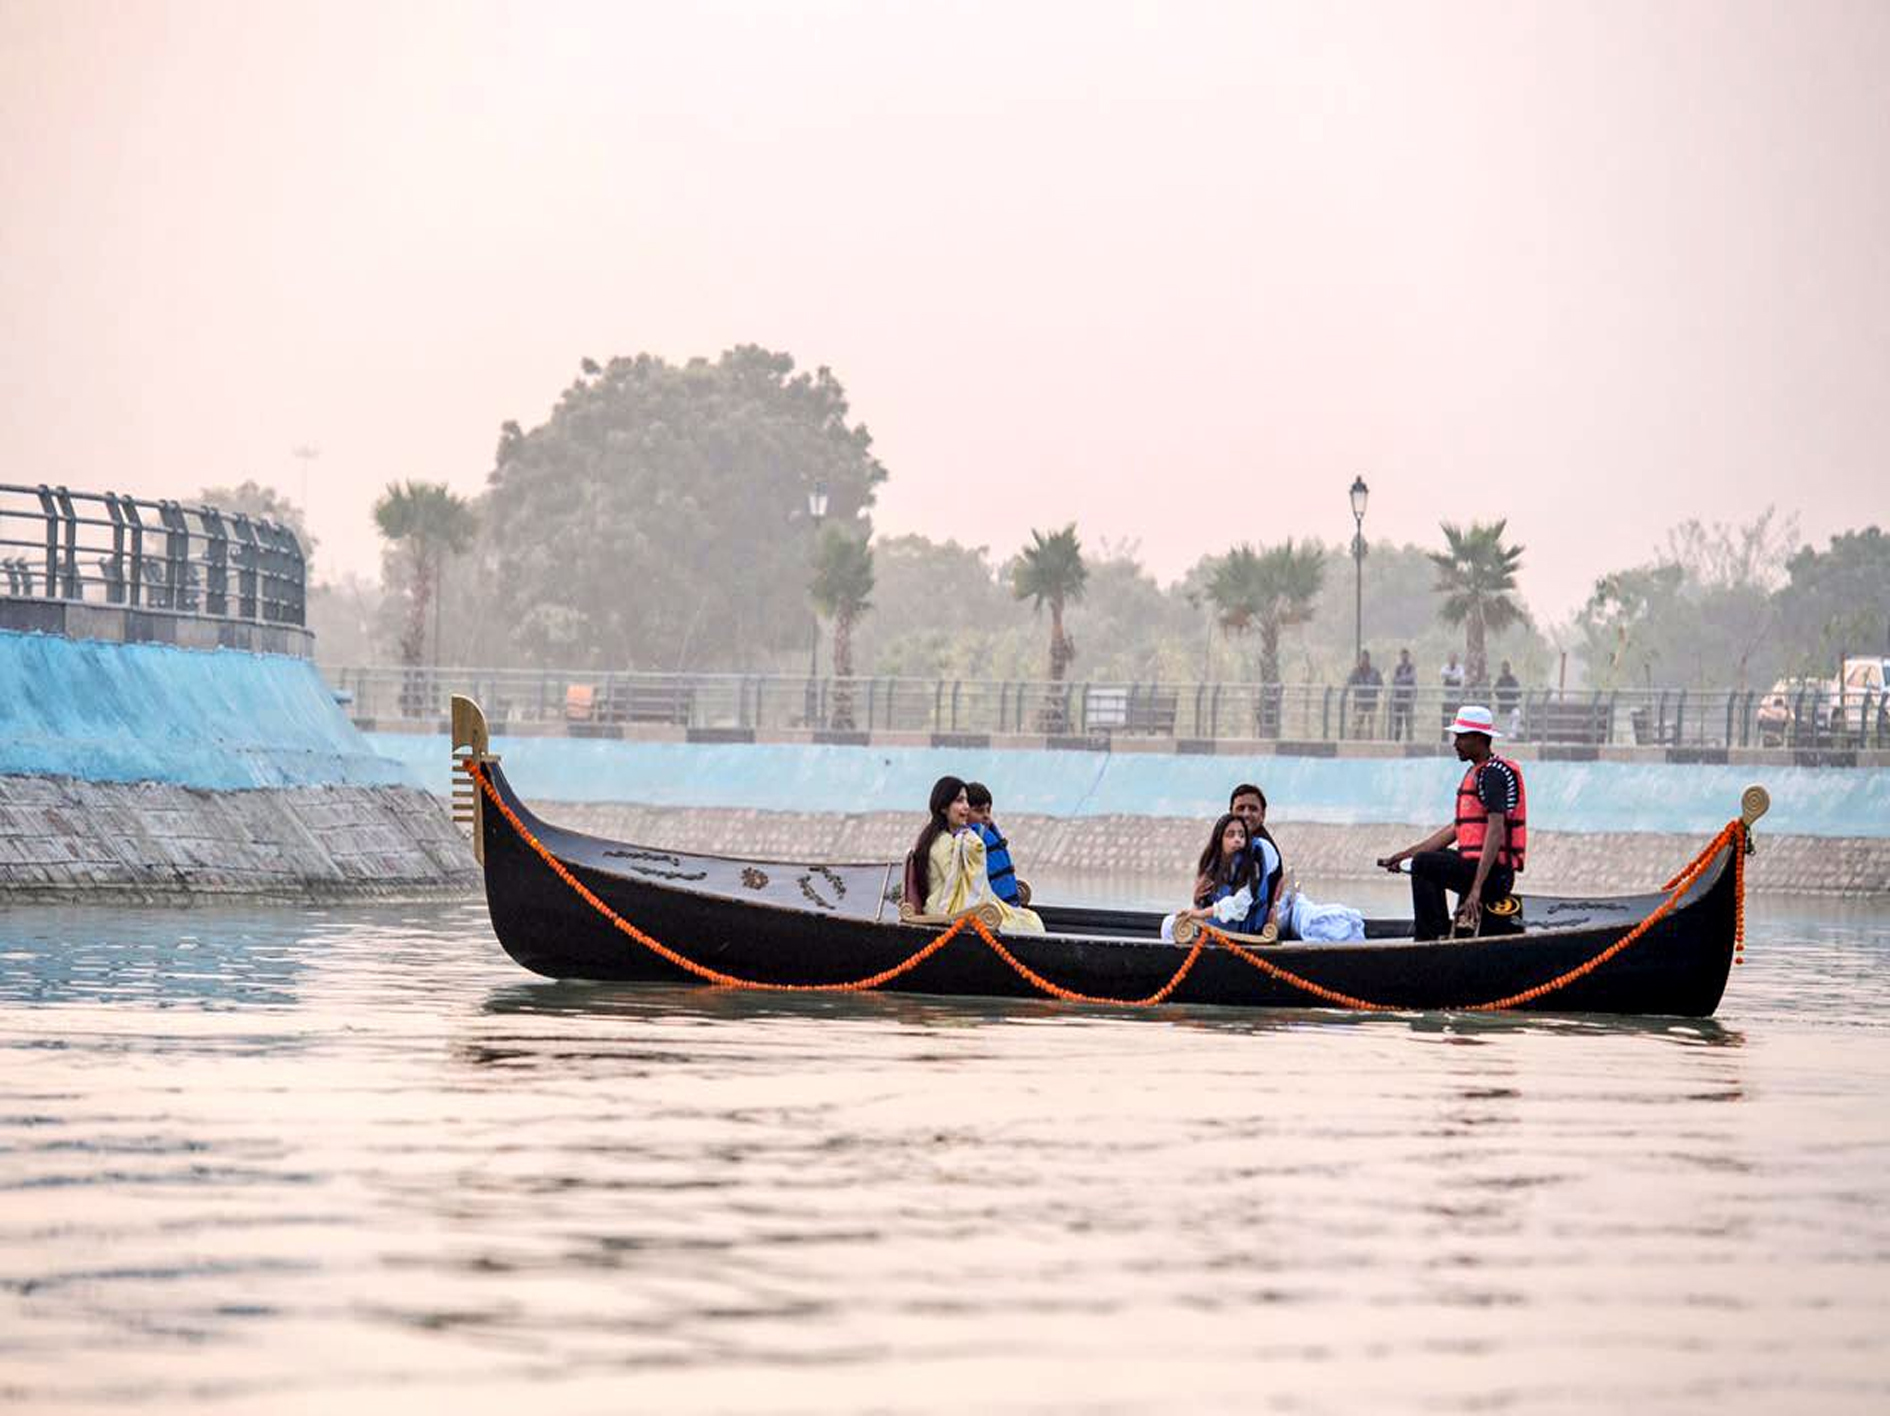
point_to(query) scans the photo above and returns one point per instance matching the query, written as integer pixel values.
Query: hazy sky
(1178, 272)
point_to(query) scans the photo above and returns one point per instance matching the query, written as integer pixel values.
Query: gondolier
(1490, 831)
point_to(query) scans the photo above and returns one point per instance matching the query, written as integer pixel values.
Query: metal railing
(101, 548)
(588, 701)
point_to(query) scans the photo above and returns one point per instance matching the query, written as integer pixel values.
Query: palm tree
(1050, 571)
(1268, 591)
(1475, 573)
(431, 521)
(843, 579)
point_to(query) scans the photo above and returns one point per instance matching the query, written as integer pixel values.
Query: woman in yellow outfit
(951, 856)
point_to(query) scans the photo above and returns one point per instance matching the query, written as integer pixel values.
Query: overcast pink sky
(1179, 272)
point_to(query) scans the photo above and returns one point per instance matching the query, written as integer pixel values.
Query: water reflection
(570, 999)
(167, 956)
(391, 1171)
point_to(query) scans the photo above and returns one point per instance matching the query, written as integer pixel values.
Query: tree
(658, 518)
(1400, 613)
(1268, 591)
(1050, 571)
(938, 611)
(429, 522)
(1133, 629)
(843, 579)
(1625, 626)
(1475, 574)
(1837, 601)
(1717, 555)
(1702, 615)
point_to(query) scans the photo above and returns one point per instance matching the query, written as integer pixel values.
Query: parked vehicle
(1857, 708)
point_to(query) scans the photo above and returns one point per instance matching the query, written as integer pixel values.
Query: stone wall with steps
(67, 838)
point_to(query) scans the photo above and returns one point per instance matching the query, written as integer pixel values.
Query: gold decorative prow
(470, 743)
(1188, 927)
(1754, 803)
(988, 911)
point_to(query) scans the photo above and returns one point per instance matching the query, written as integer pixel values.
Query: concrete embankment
(149, 771)
(1595, 826)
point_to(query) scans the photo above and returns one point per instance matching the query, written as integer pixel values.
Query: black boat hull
(1678, 966)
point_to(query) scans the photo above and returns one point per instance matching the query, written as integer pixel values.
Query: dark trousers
(1433, 873)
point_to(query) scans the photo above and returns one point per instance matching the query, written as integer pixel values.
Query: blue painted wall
(1583, 797)
(215, 719)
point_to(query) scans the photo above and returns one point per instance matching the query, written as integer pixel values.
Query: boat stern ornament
(470, 744)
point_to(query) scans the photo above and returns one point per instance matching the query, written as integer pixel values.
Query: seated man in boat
(949, 862)
(1491, 832)
(1249, 803)
(997, 850)
(1277, 898)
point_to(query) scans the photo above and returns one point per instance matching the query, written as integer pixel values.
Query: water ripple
(285, 1159)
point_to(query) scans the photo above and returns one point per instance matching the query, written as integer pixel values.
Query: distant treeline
(660, 519)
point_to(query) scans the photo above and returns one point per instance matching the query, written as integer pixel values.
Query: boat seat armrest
(1186, 930)
(987, 911)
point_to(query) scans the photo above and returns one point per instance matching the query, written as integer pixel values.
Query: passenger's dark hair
(977, 794)
(1215, 869)
(944, 792)
(1243, 790)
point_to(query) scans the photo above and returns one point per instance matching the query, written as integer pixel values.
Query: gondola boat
(571, 906)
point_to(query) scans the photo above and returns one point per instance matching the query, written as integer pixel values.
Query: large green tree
(1267, 591)
(938, 611)
(429, 522)
(658, 519)
(841, 589)
(1476, 574)
(944, 611)
(1836, 602)
(1050, 571)
(1703, 614)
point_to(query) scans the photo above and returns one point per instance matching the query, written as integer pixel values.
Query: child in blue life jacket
(997, 851)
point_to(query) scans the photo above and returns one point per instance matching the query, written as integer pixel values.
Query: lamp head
(1359, 493)
(817, 500)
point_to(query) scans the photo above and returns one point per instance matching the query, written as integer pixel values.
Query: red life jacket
(1473, 818)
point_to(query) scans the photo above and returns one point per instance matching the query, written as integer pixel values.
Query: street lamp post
(1359, 493)
(817, 510)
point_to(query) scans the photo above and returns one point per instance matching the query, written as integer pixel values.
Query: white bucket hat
(1475, 718)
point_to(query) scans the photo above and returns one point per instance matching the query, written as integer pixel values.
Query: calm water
(320, 1159)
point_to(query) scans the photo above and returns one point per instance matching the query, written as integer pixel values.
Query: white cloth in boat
(956, 881)
(1305, 919)
(1301, 918)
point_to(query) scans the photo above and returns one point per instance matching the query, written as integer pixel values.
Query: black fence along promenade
(108, 550)
(592, 701)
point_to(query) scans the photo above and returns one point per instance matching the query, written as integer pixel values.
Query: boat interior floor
(1538, 913)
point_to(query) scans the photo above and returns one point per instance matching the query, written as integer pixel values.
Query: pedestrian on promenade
(1403, 695)
(1508, 700)
(1364, 682)
(1452, 679)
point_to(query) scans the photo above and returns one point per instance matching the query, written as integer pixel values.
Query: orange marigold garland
(871, 981)
(1734, 834)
